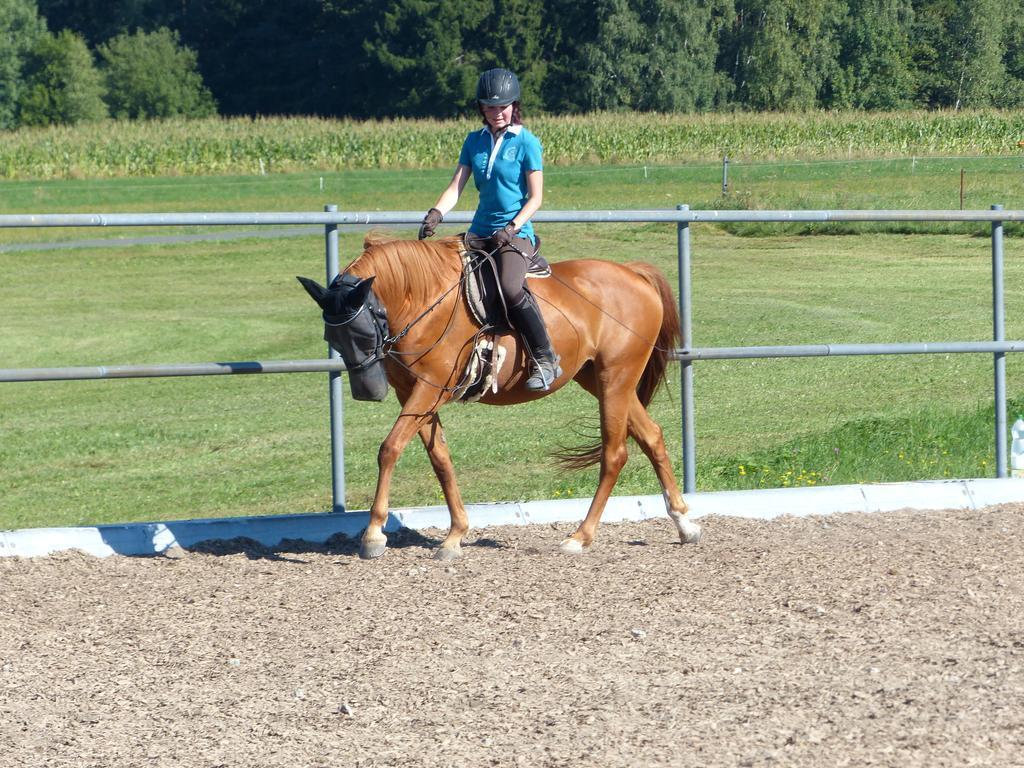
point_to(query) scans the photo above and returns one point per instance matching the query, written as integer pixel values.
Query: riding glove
(430, 222)
(502, 237)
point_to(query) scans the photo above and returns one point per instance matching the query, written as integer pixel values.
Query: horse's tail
(668, 335)
(653, 374)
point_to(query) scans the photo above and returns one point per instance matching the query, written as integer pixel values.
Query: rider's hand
(502, 237)
(430, 222)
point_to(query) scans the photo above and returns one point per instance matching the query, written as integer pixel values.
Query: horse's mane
(417, 270)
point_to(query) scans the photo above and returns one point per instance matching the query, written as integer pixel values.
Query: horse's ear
(314, 289)
(357, 297)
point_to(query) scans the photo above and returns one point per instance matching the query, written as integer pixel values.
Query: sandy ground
(886, 640)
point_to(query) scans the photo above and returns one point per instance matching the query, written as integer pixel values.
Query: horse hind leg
(614, 424)
(432, 436)
(649, 437)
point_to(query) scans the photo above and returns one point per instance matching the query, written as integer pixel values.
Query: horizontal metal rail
(840, 350)
(176, 369)
(82, 373)
(465, 217)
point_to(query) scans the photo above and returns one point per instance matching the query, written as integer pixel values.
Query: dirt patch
(890, 639)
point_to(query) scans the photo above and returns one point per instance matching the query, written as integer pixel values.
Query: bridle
(385, 348)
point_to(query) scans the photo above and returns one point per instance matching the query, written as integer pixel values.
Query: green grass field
(88, 452)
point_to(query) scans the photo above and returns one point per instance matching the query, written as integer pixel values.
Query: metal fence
(682, 217)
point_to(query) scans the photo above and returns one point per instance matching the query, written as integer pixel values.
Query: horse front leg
(409, 422)
(432, 435)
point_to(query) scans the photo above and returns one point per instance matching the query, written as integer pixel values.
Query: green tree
(959, 52)
(783, 54)
(875, 56)
(927, 51)
(150, 74)
(269, 57)
(99, 20)
(567, 28)
(1013, 46)
(20, 27)
(510, 36)
(977, 52)
(654, 55)
(62, 84)
(425, 56)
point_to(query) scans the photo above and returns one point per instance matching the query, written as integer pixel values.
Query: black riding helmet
(497, 88)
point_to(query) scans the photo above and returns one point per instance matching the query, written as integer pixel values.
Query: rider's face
(498, 117)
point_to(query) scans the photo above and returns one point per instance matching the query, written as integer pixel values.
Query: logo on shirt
(510, 154)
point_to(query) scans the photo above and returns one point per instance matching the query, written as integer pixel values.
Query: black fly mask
(356, 325)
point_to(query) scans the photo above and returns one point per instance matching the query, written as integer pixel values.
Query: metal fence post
(999, 334)
(334, 383)
(686, 366)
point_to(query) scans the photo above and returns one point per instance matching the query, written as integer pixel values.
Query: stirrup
(543, 374)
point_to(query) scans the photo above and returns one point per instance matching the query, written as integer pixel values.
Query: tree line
(72, 60)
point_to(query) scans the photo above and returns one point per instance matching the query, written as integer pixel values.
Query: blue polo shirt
(499, 172)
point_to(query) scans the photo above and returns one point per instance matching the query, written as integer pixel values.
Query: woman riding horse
(505, 160)
(398, 315)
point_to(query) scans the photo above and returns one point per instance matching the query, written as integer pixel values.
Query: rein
(387, 350)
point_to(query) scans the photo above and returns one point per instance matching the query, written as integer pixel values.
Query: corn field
(267, 145)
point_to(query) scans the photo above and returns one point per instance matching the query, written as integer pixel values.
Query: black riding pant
(512, 265)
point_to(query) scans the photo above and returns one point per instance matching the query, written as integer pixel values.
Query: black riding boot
(527, 319)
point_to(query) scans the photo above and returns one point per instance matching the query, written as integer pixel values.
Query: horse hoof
(689, 533)
(572, 547)
(448, 553)
(368, 550)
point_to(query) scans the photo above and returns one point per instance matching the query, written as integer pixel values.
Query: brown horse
(614, 326)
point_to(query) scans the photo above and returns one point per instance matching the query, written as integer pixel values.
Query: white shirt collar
(513, 129)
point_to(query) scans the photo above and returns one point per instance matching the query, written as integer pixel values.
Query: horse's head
(355, 324)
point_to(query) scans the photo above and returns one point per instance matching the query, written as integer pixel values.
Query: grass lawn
(88, 452)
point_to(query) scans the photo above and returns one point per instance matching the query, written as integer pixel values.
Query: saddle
(487, 306)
